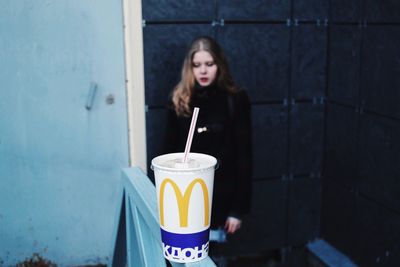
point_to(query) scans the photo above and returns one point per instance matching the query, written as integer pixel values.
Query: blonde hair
(183, 91)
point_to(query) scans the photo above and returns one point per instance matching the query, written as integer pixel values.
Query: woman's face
(204, 68)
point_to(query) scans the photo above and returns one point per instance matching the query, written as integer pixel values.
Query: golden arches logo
(183, 201)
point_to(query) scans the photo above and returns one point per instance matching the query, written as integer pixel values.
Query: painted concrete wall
(60, 163)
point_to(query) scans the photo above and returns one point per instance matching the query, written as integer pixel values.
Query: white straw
(191, 132)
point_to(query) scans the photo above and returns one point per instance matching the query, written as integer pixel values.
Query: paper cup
(184, 197)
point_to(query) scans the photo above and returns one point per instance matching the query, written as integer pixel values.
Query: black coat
(225, 133)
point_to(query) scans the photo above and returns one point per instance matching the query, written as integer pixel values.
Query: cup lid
(173, 162)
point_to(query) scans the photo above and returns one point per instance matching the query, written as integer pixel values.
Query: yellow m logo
(183, 201)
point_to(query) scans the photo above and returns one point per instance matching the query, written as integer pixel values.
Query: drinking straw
(190, 135)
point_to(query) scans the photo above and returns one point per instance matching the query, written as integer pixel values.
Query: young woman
(223, 128)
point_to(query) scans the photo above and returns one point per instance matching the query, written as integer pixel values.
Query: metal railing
(136, 236)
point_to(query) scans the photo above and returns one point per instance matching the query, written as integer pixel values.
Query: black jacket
(225, 133)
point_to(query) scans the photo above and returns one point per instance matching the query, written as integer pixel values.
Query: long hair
(183, 91)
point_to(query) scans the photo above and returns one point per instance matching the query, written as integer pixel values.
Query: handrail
(328, 254)
(136, 236)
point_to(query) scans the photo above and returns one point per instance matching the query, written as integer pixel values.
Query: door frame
(134, 68)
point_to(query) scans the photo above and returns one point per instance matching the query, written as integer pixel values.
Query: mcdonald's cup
(184, 196)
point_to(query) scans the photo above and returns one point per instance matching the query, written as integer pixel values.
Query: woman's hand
(232, 224)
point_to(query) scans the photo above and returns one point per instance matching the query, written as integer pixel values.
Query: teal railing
(137, 237)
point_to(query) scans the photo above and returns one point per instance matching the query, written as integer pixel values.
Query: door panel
(60, 161)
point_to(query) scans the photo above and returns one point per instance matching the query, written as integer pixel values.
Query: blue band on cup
(190, 240)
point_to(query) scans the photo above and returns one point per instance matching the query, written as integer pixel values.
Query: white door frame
(133, 35)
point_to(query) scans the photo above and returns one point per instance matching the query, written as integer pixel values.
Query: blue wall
(361, 203)
(59, 162)
(323, 80)
(277, 53)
